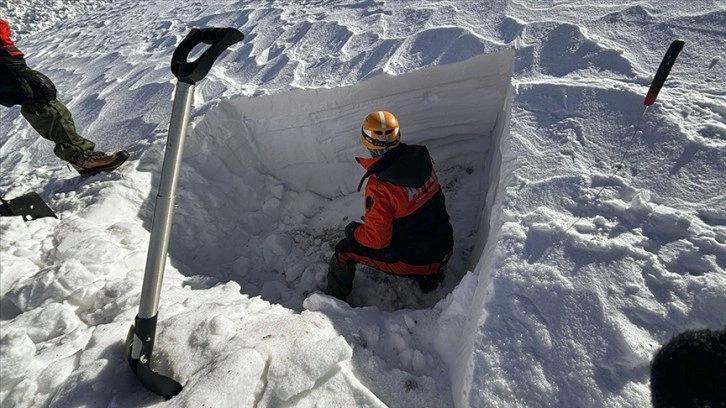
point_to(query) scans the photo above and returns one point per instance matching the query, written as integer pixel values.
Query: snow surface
(588, 231)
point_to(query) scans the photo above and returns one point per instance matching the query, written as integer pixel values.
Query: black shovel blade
(29, 206)
(157, 383)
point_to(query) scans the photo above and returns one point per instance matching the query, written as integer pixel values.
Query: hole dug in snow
(268, 183)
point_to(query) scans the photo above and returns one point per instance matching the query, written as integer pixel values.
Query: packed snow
(589, 230)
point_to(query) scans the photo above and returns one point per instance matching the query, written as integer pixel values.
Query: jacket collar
(368, 162)
(375, 165)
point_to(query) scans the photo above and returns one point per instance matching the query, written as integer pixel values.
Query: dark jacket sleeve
(20, 85)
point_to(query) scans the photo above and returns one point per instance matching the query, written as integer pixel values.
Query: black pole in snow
(663, 70)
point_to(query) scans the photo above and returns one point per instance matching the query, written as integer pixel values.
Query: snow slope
(588, 231)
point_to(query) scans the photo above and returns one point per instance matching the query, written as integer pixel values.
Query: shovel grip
(219, 40)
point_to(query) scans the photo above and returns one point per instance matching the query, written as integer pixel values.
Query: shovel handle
(219, 40)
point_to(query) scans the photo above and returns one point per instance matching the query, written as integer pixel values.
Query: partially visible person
(36, 95)
(405, 230)
(690, 371)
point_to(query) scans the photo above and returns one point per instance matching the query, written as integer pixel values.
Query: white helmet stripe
(382, 118)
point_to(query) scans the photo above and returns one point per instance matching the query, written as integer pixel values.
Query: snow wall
(303, 142)
(503, 163)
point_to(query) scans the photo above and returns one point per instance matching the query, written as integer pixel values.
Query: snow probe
(140, 340)
(663, 70)
(29, 206)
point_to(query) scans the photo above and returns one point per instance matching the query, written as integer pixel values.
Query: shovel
(29, 206)
(140, 340)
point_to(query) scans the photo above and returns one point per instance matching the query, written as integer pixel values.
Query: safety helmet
(380, 132)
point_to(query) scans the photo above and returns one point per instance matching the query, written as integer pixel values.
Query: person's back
(406, 229)
(421, 233)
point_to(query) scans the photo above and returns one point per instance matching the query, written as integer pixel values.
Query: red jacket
(405, 210)
(6, 43)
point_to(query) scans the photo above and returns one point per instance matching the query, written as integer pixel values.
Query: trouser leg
(340, 278)
(53, 121)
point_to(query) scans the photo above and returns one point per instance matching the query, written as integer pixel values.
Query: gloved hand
(11, 64)
(350, 228)
(22, 85)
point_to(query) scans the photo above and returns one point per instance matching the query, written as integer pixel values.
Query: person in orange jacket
(406, 229)
(36, 95)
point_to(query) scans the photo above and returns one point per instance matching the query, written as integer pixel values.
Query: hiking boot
(96, 162)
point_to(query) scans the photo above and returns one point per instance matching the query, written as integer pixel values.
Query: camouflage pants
(53, 121)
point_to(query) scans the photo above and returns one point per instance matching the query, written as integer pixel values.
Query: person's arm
(377, 228)
(20, 84)
(14, 89)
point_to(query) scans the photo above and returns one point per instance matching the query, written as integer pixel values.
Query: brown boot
(97, 162)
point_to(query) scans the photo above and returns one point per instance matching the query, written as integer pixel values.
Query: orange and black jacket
(405, 209)
(20, 85)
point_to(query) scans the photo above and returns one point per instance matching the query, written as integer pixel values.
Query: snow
(588, 229)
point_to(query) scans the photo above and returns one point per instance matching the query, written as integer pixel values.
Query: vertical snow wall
(303, 142)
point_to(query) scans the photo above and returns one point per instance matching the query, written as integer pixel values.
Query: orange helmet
(380, 132)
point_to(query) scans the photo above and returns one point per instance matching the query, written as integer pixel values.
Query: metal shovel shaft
(164, 208)
(141, 335)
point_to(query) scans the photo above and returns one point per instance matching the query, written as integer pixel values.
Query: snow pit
(269, 198)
